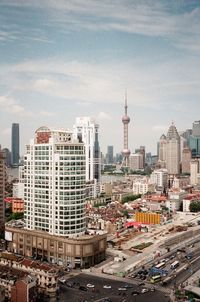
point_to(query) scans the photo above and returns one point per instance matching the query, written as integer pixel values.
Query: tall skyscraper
(194, 141)
(195, 171)
(136, 161)
(15, 145)
(109, 155)
(196, 128)
(54, 183)
(87, 131)
(173, 150)
(162, 148)
(186, 158)
(2, 188)
(126, 152)
(54, 179)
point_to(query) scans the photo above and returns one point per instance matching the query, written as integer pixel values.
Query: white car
(107, 286)
(62, 280)
(89, 285)
(144, 290)
(122, 288)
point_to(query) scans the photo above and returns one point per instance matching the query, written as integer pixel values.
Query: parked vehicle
(83, 288)
(89, 285)
(107, 286)
(135, 293)
(62, 280)
(128, 285)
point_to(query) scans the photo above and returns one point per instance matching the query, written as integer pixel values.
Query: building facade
(186, 158)
(54, 183)
(136, 161)
(162, 148)
(110, 159)
(15, 145)
(2, 187)
(195, 171)
(173, 151)
(86, 130)
(54, 178)
(83, 251)
(159, 178)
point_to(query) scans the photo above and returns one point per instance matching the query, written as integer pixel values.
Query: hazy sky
(60, 59)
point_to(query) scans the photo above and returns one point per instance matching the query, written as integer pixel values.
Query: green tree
(15, 216)
(125, 213)
(130, 198)
(195, 206)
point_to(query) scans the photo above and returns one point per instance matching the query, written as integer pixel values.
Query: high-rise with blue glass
(195, 140)
(15, 145)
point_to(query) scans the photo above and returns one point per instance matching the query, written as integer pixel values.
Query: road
(115, 295)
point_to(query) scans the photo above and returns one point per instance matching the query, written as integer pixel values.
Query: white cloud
(6, 131)
(46, 113)
(9, 104)
(149, 18)
(154, 86)
(102, 116)
(160, 128)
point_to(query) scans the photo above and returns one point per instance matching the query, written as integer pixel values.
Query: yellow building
(150, 218)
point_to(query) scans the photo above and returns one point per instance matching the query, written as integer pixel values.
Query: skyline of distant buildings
(189, 138)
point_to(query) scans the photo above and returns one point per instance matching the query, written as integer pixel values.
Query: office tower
(186, 158)
(7, 154)
(119, 158)
(183, 145)
(15, 145)
(126, 152)
(148, 158)
(195, 171)
(162, 148)
(87, 131)
(196, 128)
(194, 142)
(142, 152)
(54, 183)
(2, 188)
(110, 155)
(173, 150)
(55, 203)
(136, 161)
(186, 134)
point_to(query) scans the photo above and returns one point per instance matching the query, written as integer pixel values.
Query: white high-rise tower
(86, 130)
(126, 152)
(54, 183)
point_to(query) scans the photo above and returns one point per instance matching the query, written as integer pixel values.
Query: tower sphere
(125, 119)
(126, 152)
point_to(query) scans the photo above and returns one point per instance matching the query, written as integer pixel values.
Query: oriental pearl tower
(126, 152)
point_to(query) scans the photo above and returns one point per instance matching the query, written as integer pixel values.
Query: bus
(160, 265)
(175, 264)
(155, 279)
